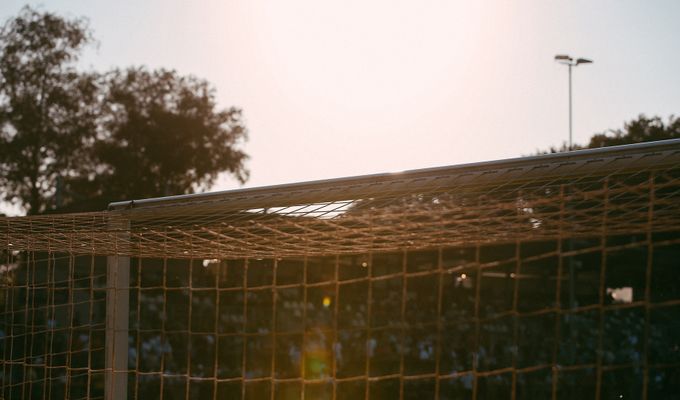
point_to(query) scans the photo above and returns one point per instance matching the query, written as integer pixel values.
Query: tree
(639, 130)
(165, 135)
(74, 141)
(47, 108)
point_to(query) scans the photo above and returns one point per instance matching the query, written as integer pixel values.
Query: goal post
(117, 316)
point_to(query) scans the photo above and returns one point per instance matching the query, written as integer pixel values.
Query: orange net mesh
(548, 277)
(531, 200)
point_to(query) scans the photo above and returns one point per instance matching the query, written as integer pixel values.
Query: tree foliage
(642, 129)
(47, 108)
(165, 135)
(639, 130)
(74, 141)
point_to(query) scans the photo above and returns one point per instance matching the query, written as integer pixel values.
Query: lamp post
(570, 62)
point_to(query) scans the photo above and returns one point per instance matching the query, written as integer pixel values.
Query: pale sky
(340, 88)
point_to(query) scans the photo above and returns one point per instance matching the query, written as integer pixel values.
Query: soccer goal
(554, 276)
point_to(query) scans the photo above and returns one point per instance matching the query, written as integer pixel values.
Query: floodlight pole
(570, 62)
(570, 113)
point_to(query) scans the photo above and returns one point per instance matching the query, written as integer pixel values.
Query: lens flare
(318, 358)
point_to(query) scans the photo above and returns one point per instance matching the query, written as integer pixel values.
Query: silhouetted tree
(164, 134)
(74, 141)
(47, 108)
(642, 129)
(639, 130)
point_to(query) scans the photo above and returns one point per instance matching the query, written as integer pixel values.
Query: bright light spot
(464, 281)
(621, 295)
(5, 268)
(326, 301)
(513, 275)
(207, 262)
(364, 264)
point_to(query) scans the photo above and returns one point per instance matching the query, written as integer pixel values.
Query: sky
(341, 88)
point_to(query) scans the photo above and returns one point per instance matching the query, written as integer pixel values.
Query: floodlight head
(562, 57)
(583, 61)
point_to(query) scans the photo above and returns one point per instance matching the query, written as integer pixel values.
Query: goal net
(553, 276)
